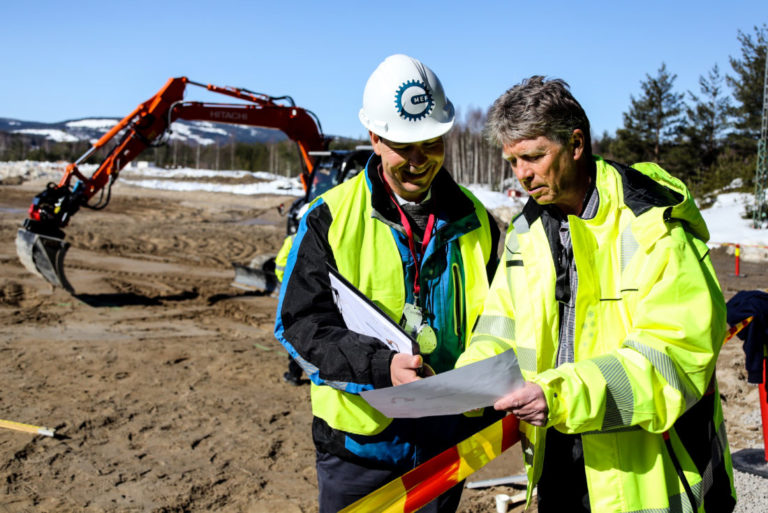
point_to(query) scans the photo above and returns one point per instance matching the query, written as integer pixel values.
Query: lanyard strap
(409, 233)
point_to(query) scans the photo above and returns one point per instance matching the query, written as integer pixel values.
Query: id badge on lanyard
(415, 324)
(414, 320)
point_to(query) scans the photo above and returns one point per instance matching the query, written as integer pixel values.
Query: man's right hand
(404, 368)
(527, 403)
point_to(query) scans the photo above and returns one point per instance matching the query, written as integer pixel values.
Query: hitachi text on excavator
(40, 241)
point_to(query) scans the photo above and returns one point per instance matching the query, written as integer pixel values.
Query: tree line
(707, 138)
(281, 157)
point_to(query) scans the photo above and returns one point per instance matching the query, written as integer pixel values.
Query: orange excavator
(40, 242)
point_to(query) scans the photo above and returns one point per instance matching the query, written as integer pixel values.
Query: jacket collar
(649, 192)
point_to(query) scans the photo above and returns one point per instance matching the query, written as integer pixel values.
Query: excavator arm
(40, 242)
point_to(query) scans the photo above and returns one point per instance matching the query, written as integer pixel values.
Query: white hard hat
(404, 102)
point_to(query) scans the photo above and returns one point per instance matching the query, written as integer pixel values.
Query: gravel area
(752, 492)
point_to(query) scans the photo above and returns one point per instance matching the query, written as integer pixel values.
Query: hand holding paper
(405, 368)
(475, 386)
(527, 403)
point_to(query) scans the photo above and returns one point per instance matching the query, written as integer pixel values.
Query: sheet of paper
(476, 385)
(362, 316)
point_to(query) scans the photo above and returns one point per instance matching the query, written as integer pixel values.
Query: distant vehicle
(331, 168)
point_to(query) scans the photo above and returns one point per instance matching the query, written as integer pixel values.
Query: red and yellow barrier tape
(420, 486)
(737, 328)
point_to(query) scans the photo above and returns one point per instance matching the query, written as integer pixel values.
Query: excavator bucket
(259, 276)
(44, 256)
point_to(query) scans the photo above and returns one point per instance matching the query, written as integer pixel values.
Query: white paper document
(476, 385)
(362, 316)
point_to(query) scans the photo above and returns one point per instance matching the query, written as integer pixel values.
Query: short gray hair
(537, 107)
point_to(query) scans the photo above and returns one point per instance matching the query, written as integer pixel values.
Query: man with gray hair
(608, 297)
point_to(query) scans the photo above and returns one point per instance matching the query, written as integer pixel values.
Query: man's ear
(577, 144)
(375, 142)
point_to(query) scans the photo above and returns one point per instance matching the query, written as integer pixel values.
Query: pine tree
(653, 120)
(747, 85)
(706, 125)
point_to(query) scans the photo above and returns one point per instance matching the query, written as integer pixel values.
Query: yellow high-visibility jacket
(282, 257)
(355, 227)
(649, 324)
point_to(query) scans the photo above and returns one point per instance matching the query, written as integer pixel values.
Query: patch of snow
(185, 172)
(50, 133)
(502, 205)
(103, 124)
(207, 126)
(725, 223)
(184, 133)
(282, 186)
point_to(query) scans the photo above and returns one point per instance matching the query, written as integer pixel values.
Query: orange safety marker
(418, 487)
(737, 253)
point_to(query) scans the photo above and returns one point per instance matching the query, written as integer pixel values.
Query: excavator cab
(331, 168)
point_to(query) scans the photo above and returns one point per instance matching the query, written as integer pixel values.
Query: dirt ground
(165, 382)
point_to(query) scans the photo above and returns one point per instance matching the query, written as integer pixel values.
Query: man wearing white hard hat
(419, 246)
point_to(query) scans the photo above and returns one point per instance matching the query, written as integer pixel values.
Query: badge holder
(415, 324)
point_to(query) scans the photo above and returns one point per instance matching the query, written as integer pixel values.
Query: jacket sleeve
(494, 331)
(666, 361)
(493, 261)
(310, 327)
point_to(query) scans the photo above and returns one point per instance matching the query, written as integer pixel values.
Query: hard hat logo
(413, 100)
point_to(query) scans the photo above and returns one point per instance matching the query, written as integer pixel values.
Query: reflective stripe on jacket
(649, 324)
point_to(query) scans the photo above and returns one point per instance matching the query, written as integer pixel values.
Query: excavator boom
(40, 241)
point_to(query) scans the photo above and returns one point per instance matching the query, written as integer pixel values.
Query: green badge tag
(413, 323)
(426, 339)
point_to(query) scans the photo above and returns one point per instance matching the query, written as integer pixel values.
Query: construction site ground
(164, 382)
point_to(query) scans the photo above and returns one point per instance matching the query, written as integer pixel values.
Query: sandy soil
(165, 381)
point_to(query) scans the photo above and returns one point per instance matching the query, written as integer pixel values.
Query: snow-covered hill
(188, 132)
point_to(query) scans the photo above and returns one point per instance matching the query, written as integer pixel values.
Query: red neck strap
(415, 253)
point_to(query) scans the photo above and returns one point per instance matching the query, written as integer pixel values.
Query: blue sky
(65, 60)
